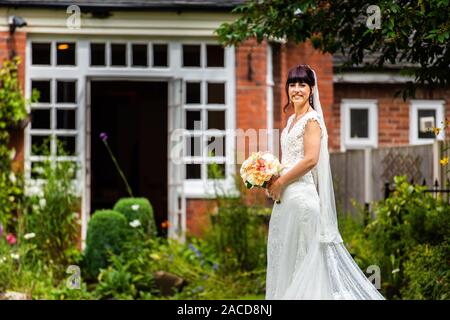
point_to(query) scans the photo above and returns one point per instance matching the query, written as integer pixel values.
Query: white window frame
(83, 71)
(204, 188)
(415, 105)
(348, 142)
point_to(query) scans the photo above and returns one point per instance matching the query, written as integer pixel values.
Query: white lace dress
(298, 265)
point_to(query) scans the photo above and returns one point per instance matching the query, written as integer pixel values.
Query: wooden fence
(361, 175)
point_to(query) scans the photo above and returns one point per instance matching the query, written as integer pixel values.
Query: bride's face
(299, 92)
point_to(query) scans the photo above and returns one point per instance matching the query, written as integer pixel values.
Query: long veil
(328, 271)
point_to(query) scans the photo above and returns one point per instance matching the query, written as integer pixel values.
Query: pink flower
(11, 238)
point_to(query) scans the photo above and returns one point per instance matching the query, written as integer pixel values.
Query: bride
(306, 257)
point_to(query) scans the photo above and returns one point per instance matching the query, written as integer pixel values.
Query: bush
(53, 215)
(408, 240)
(239, 230)
(138, 209)
(427, 273)
(107, 232)
(13, 110)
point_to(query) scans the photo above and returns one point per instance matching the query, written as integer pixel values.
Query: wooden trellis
(396, 163)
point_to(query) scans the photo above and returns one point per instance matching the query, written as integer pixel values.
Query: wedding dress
(306, 257)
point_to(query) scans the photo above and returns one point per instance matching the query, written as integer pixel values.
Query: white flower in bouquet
(259, 168)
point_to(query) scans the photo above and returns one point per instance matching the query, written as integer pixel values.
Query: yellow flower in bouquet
(259, 168)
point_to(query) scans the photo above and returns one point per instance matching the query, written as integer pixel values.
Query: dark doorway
(133, 114)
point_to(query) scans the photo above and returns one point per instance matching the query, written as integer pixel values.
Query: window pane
(192, 92)
(160, 55)
(43, 86)
(427, 120)
(139, 55)
(192, 120)
(65, 92)
(216, 171)
(216, 147)
(40, 119)
(41, 53)
(216, 120)
(66, 146)
(118, 54)
(193, 171)
(216, 93)
(214, 56)
(98, 54)
(65, 54)
(193, 146)
(191, 56)
(65, 119)
(40, 145)
(37, 170)
(359, 123)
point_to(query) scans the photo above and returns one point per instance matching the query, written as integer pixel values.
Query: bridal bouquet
(259, 168)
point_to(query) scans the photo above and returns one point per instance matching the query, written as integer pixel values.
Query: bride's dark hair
(303, 74)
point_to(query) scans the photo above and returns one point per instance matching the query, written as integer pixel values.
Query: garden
(406, 236)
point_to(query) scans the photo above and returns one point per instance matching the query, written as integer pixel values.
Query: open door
(176, 171)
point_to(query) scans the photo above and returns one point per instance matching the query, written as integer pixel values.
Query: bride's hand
(275, 188)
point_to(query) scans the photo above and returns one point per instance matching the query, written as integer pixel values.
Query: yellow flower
(155, 256)
(444, 161)
(436, 130)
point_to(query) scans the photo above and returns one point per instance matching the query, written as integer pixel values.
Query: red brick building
(141, 70)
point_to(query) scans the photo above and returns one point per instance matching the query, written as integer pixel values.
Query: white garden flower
(135, 223)
(42, 202)
(12, 154)
(15, 256)
(12, 177)
(395, 270)
(135, 207)
(29, 235)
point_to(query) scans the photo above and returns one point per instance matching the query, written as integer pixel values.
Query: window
(191, 55)
(205, 142)
(423, 116)
(118, 55)
(214, 56)
(53, 130)
(160, 55)
(65, 54)
(41, 53)
(98, 54)
(359, 123)
(139, 55)
(216, 93)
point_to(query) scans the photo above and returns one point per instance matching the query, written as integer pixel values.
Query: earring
(311, 100)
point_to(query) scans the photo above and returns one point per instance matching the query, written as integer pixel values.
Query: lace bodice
(292, 146)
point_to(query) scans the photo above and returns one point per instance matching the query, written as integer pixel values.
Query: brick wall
(7, 44)
(393, 113)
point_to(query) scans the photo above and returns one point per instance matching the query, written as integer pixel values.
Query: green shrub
(409, 219)
(107, 232)
(13, 110)
(238, 231)
(427, 273)
(53, 215)
(138, 209)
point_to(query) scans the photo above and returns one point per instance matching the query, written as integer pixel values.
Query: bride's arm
(311, 140)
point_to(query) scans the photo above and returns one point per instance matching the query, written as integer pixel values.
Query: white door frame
(87, 160)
